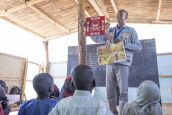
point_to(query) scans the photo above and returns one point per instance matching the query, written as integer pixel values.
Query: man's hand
(116, 40)
(109, 38)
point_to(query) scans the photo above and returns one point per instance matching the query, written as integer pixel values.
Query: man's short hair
(42, 83)
(123, 11)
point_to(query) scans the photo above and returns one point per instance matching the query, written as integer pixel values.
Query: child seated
(43, 84)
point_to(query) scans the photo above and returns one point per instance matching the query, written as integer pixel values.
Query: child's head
(3, 84)
(43, 84)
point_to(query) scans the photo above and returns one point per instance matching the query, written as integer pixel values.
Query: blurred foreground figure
(82, 102)
(147, 101)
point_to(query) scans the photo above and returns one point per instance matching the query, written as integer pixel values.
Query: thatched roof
(56, 18)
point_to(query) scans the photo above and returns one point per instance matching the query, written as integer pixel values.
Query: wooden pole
(23, 84)
(46, 66)
(81, 32)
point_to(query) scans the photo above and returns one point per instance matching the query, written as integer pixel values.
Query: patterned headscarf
(68, 88)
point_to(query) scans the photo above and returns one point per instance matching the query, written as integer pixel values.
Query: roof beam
(159, 10)
(61, 35)
(56, 36)
(30, 4)
(114, 6)
(48, 18)
(19, 7)
(99, 7)
(88, 15)
(150, 21)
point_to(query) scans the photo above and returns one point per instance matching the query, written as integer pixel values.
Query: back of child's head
(43, 83)
(15, 90)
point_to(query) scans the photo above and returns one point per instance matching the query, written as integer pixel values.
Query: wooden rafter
(114, 6)
(12, 22)
(19, 7)
(99, 7)
(56, 36)
(62, 34)
(150, 21)
(88, 15)
(159, 10)
(48, 18)
(30, 4)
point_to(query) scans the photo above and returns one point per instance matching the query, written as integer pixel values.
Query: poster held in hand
(112, 53)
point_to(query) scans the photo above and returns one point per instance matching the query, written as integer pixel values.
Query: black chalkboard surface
(144, 66)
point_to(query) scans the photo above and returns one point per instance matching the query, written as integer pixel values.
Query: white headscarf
(147, 101)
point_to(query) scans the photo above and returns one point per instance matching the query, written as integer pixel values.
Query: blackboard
(144, 66)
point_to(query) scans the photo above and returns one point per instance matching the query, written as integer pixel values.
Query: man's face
(121, 18)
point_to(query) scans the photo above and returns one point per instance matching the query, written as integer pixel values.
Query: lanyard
(117, 33)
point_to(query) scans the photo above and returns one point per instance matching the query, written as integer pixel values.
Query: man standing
(117, 73)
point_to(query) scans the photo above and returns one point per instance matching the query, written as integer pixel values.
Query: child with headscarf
(55, 94)
(147, 101)
(68, 88)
